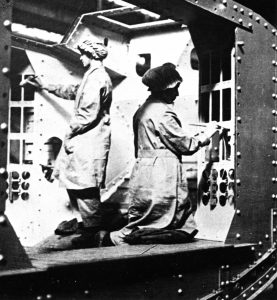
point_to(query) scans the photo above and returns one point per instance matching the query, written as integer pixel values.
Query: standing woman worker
(81, 164)
(159, 208)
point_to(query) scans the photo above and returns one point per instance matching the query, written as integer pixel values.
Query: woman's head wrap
(94, 50)
(162, 77)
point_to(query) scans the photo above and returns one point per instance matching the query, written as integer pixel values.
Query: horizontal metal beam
(43, 10)
(189, 11)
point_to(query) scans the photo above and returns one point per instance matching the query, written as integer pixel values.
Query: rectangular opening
(27, 153)
(14, 151)
(29, 91)
(15, 119)
(226, 66)
(28, 119)
(204, 107)
(226, 111)
(216, 106)
(15, 88)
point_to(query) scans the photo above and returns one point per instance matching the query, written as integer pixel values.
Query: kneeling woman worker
(159, 207)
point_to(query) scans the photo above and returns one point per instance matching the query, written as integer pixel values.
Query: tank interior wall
(47, 203)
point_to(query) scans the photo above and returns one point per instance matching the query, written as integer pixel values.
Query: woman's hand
(68, 147)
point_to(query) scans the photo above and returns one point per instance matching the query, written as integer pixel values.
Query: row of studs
(242, 15)
(274, 113)
(4, 126)
(4, 129)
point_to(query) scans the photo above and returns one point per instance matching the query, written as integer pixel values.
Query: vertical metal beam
(256, 179)
(5, 53)
(12, 255)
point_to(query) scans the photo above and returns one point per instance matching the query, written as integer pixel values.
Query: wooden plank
(42, 260)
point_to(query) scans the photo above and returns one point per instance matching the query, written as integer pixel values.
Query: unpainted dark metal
(250, 283)
(5, 42)
(256, 277)
(187, 11)
(255, 169)
(163, 276)
(12, 255)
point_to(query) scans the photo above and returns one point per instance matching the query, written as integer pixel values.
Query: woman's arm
(175, 137)
(63, 91)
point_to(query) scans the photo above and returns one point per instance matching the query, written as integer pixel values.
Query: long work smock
(158, 189)
(89, 133)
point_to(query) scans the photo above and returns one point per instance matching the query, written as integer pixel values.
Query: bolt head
(3, 126)
(7, 23)
(2, 258)
(5, 70)
(2, 220)
(238, 236)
